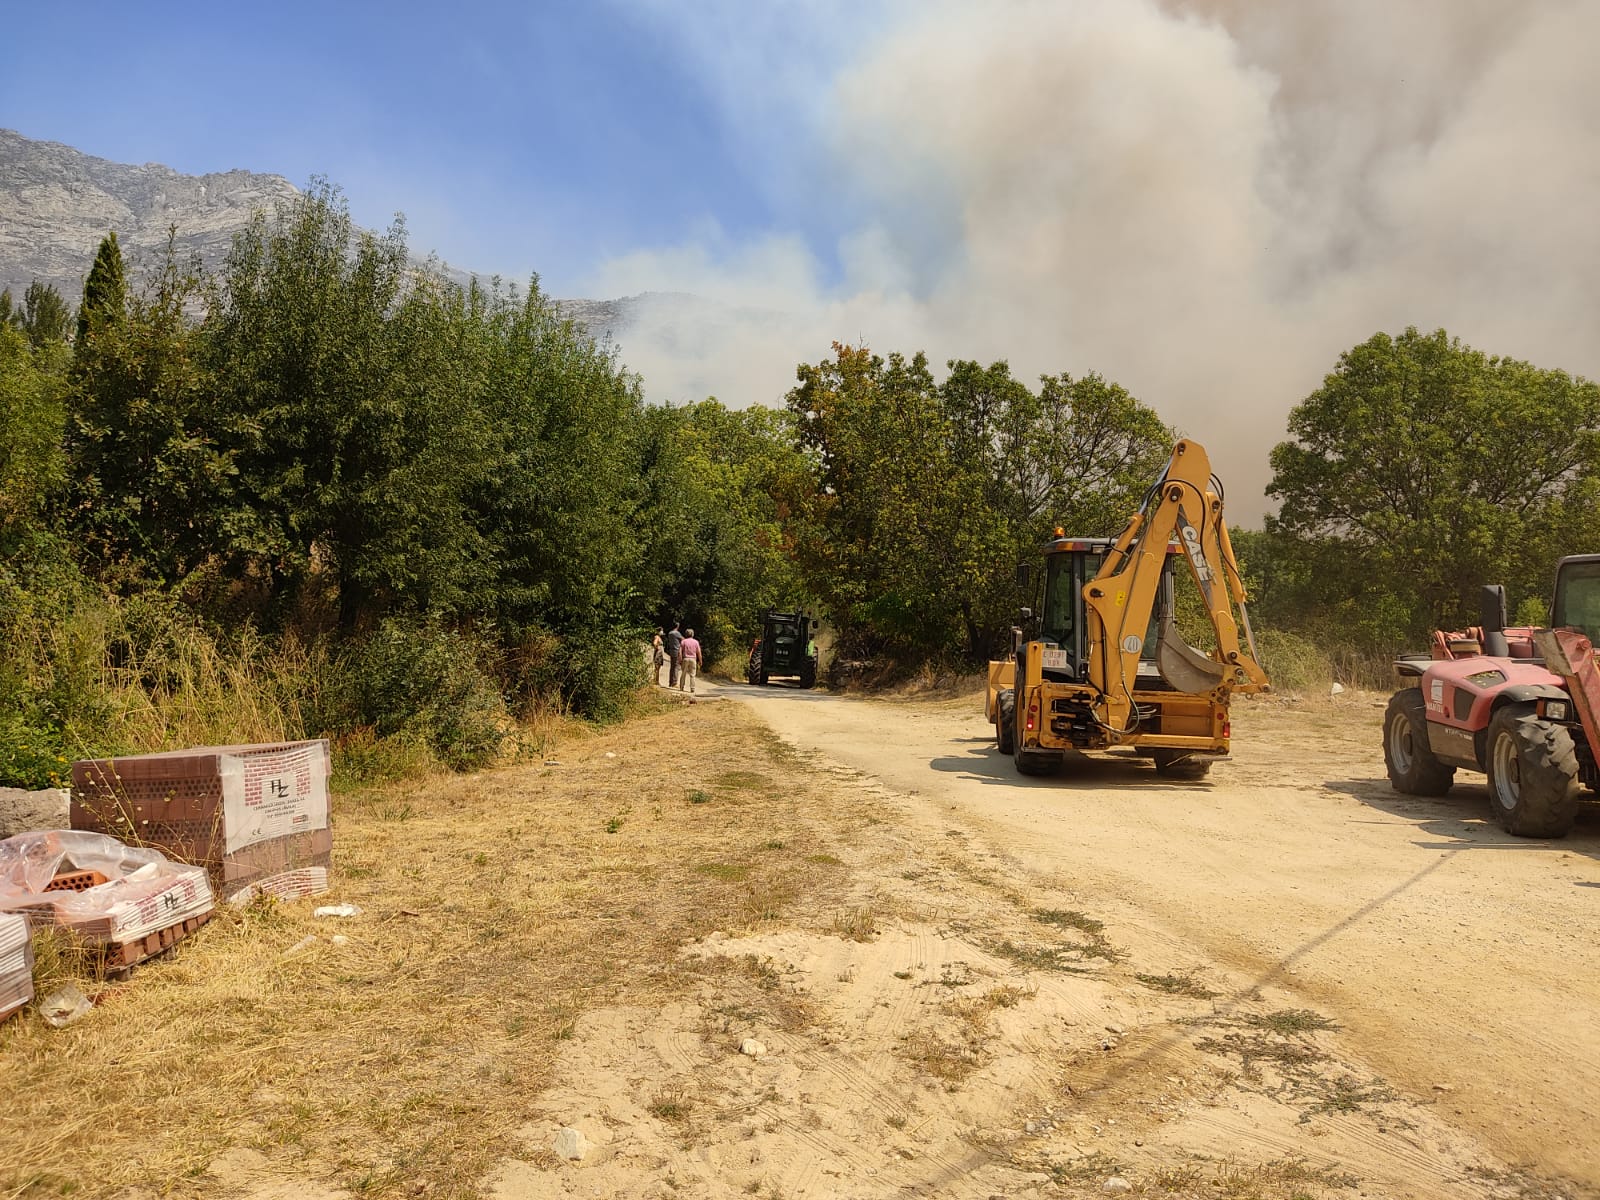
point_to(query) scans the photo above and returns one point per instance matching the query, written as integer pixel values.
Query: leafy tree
(360, 432)
(152, 494)
(1421, 468)
(715, 512)
(560, 506)
(105, 291)
(32, 415)
(44, 316)
(929, 494)
(841, 424)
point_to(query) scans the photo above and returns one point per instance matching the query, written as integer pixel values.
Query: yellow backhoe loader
(1103, 665)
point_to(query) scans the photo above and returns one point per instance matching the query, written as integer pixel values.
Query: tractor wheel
(1180, 764)
(808, 673)
(1413, 769)
(1533, 775)
(1005, 721)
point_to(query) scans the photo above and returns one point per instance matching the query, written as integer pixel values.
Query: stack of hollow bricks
(173, 802)
(16, 964)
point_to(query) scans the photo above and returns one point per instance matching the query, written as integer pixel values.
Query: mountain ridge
(57, 204)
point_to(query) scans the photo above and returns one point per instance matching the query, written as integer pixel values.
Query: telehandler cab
(1521, 705)
(1103, 664)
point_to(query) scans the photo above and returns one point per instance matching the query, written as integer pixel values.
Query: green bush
(362, 759)
(417, 679)
(54, 704)
(1532, 611)
(603, 672)
(31, 753)
(1293, 663)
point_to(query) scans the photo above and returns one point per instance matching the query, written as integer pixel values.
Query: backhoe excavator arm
(1121, 598)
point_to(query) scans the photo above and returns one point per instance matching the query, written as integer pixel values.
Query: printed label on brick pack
(272, 795)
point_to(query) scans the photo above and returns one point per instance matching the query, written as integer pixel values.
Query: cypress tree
(105, 292)
(45, 315)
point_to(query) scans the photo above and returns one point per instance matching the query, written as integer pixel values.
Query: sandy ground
(1284, 981)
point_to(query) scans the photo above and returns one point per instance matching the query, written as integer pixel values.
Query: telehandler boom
(1105, 665)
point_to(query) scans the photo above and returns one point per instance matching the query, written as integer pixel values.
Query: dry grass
(1069, 956)
(855, 924)
(1286, 1179)
(947, 1057)
(952, 1053)
(497, 911)
(1185, 984)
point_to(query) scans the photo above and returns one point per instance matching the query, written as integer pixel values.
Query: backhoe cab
(1103, 665)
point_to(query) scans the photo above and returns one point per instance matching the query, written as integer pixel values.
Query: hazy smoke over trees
(1204, 200)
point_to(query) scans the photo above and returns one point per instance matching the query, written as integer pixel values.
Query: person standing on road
(690, 652)
(674, 648)
(658, 655)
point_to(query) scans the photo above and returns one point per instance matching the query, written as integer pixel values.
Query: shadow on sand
(1461, 818)
(983, 763)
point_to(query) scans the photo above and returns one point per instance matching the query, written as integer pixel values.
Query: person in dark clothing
(674, 654)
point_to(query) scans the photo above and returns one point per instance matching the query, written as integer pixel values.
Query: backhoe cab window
(1065, 575)
(1578, 599)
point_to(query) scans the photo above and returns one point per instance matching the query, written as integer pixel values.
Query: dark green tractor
(784, 649)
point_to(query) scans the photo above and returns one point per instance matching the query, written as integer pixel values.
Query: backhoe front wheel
(1412, 767)
(1533, 774)
(1005, 721)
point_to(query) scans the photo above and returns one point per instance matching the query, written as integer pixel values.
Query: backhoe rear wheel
(1412, 767)
(1005, 721)
(1533, 774)
(1009, 735)
(1035, 762)
(1181, 764)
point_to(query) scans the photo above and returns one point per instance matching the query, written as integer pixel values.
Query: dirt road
(1461, 964)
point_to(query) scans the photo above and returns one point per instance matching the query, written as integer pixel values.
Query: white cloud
(1206, 201)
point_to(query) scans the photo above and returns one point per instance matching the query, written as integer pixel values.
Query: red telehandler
(1521, 705)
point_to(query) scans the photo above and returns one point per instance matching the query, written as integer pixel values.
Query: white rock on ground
(752, 1047)
(571, 1144)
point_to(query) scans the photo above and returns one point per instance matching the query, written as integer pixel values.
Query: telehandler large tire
(1533, 774)
(1412, 767)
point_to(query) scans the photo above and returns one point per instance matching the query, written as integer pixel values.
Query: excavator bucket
(1184, 667)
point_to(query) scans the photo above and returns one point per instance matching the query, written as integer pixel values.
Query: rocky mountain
(57, 203)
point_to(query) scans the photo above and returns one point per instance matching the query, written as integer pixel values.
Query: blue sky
(1206, 201)
(515, 137)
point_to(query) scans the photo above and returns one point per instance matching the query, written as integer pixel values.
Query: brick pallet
(118, 959)
(256, 817)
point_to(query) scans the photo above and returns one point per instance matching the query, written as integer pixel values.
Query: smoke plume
(1204, 200)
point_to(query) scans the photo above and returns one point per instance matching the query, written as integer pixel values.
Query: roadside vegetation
(326, 491)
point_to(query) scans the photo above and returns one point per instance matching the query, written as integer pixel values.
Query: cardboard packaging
(256, 817)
